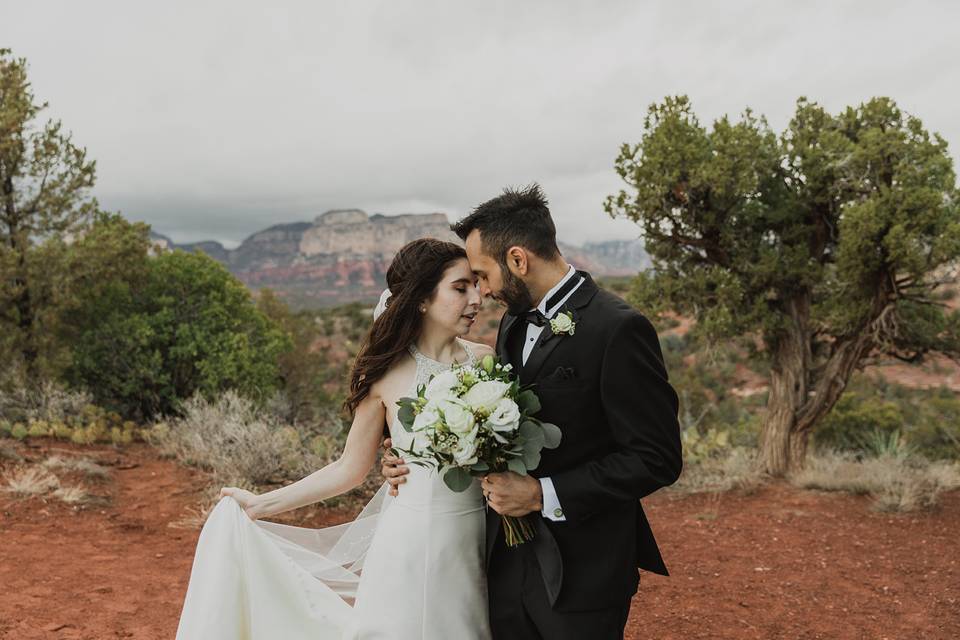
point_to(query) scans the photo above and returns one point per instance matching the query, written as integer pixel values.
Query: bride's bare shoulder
(397, 377)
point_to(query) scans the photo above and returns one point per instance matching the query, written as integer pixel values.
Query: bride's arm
(359, 454)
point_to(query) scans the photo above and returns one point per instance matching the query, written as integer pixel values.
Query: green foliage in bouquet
(470, 421)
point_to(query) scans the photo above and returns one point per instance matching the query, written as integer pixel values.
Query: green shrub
(935, 431)
(188, 326)
(855, 418)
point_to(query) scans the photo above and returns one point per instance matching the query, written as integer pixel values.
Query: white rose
(457, 415)
(505, 416)
(562, 323)
(465, 453)
(427, 417)
(484, 396)
(442, 386)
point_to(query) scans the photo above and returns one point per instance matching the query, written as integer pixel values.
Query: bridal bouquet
(471, 420)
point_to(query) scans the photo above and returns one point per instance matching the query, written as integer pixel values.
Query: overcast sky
(212, 120)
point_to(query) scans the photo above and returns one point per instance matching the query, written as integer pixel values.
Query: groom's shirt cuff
(551, 503)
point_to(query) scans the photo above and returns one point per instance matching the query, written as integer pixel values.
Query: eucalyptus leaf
(528, 401)
(517, 466)
(406, 415)
(458, 479)
(531, 459)
(552, 435)
(532, 435)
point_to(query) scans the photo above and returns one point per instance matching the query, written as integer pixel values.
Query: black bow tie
(535, 316)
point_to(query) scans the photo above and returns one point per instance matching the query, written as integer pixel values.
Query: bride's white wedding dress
(406, 567)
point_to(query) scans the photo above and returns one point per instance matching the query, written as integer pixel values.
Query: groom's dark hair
(517, 217)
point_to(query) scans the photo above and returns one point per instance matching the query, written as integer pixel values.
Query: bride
(407, 567)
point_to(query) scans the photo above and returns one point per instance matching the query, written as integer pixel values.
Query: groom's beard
(515, 293)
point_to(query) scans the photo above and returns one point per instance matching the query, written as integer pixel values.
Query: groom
(600, 377)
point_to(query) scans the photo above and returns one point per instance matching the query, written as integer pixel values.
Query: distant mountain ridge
(343, 255)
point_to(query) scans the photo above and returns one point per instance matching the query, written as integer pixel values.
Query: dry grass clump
(31, 481)
(76, 495)
(735, 468)
(37, 480)
(85, 466)
(896, 481)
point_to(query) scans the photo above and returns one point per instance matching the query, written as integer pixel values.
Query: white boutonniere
(563, 324)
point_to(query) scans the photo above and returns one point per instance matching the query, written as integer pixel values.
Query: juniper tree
(44, 191)
(830, 242)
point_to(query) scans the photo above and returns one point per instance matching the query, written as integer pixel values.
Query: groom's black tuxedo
(606, 388)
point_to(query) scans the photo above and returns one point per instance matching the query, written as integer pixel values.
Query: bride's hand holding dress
(244, 498)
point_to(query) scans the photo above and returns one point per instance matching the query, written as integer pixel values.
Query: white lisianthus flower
(563, 323)
(442, 386)
(427, 417)
(457, 415)
(484, 396)
(505, 416)
(465, 453)
(421, 441)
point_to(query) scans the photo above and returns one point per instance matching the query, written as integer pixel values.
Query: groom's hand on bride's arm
(393, 468)
(511, 494)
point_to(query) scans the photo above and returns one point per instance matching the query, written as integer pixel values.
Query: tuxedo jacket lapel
(546, 343)
(548, 339)
(508, 323)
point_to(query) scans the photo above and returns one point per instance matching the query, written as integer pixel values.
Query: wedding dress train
(406, 567)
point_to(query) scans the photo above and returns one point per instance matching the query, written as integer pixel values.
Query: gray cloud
(215, 119)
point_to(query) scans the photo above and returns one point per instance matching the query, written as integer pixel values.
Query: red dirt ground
(781, 563)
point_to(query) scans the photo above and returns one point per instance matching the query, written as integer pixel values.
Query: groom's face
(496, 280)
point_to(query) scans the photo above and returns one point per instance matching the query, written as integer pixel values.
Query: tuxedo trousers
(520, 608)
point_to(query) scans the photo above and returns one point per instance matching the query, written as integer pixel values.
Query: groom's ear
(518, 260)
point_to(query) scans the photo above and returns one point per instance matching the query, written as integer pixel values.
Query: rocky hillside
(343, 255)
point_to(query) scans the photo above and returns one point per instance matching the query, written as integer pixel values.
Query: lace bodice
(427, 367)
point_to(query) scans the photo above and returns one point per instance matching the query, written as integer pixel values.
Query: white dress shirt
(551, 504)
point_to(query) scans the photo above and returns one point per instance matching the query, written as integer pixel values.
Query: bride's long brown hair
(412, 278)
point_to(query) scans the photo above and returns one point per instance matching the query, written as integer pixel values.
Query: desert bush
(896, 480)
(49, 409)
(238, 443)
(927, 420)
(855, 418)
(47, 401)
(935, 429)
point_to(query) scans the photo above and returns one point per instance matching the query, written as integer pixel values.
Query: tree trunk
(800, 397)
(782, 446)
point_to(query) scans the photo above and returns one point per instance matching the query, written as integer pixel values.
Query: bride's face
(455, 301)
